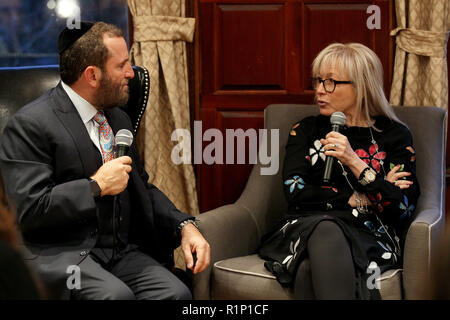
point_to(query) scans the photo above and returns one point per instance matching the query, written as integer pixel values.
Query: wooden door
(254, 53)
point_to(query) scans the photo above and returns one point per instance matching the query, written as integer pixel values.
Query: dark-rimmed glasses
(328, 84)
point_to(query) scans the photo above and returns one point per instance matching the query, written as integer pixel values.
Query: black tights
(329, 273)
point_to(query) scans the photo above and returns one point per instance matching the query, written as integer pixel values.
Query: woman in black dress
(348, 229)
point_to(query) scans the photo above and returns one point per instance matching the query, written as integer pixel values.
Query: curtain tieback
(163, 28)
(421, 42)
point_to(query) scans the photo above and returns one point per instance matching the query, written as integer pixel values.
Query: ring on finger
(336, 145)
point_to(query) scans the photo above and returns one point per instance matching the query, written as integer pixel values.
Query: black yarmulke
(67, 37)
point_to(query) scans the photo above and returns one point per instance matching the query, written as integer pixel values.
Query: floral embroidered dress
(375, 238)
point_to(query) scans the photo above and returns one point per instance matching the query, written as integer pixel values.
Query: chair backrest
(427, 124)
(19, 86)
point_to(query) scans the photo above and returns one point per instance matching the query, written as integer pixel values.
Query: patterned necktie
(106, 137)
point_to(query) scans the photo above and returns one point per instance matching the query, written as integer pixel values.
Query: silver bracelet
(362, 208)
(186, 222)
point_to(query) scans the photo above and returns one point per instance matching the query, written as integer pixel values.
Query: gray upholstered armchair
(234, 231)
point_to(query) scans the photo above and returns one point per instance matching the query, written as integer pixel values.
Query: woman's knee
(328, 230)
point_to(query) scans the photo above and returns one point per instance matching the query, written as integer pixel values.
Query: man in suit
(58, 161)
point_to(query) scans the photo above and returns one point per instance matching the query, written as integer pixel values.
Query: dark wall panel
(250, 47)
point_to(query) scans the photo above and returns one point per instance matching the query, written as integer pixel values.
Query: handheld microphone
(124, 139)
(337, 121)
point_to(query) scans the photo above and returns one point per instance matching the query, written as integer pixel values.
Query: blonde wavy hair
(365, 70)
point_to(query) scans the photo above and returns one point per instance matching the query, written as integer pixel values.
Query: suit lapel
(69, 116)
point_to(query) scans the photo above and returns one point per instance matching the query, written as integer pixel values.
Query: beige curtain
(160, 35)
(420, 70)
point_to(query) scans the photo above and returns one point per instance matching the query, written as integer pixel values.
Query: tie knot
(99, 118)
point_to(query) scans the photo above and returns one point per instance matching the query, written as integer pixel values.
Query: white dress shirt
(87, 112)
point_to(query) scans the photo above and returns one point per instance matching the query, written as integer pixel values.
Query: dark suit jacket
(46, 156)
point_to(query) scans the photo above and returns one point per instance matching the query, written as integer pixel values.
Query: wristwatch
(95, 188)
(368, 175)
(185, 222)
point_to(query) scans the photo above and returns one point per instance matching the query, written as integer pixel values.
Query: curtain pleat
(160, 35)
(420, 69)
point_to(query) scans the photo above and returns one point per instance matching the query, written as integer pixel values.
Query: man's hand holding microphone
(112, 177)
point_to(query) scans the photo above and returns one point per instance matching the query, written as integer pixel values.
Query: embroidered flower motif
(295, 181)
(391, 166)
(356, 212)
(287, 224)
(293, 249)
(374, 158)
(378, 201)
(316, 152)
(407, 209)
(381, 230)
(411, 149)
(329, 187)
(402, 167)
(369, 225)
(372, 265)
(389, 253)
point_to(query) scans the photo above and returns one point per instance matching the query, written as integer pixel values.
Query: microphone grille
(338, 118)
(124, 137)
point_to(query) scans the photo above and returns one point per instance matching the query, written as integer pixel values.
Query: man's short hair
(88, 50)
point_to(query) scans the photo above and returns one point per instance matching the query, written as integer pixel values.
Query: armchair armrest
(423, 235)
(231, 232)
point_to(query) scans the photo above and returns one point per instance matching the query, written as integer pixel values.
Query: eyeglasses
(328, 84)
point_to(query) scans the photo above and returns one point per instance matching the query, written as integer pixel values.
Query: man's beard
(110, 95)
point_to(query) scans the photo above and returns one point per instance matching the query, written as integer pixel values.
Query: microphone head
(338, 118)
(124, 137)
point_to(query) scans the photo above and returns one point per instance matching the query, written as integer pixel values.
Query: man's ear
(92, 75)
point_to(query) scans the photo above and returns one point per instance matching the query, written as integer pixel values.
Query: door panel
(249, 49)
